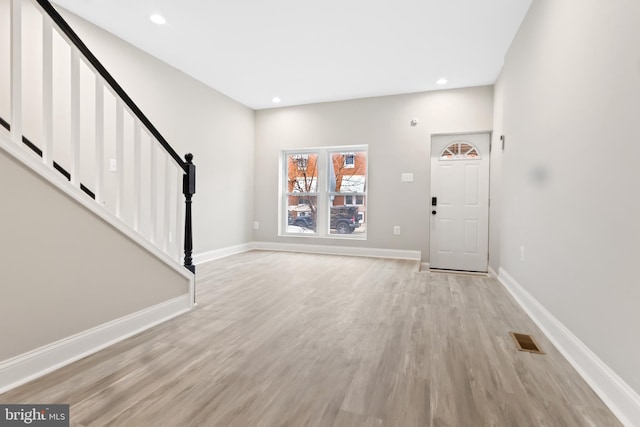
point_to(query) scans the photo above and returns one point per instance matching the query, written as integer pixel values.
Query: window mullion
(322, 185)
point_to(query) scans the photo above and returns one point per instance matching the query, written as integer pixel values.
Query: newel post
(189, 189)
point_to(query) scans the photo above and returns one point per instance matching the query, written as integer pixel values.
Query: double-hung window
(324, 192)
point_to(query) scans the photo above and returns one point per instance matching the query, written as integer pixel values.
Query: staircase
(81, 123)
(71, 135)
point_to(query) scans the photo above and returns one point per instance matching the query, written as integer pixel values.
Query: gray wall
(569, 92)
(193, 118)
(394, 147)
(63, 270)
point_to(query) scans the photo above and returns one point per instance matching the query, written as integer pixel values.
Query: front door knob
(433, 212)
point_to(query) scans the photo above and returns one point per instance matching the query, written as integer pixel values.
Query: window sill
(310, 235)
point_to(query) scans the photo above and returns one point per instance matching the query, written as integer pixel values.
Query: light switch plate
(407, 177)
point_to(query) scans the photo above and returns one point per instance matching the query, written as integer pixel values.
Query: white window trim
(324, 197)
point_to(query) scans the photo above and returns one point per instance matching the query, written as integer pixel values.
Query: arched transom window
(460, 150)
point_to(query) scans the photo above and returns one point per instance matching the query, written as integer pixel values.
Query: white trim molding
(306, 248)
(623, 401)
(29, 366)
(337, 250)
(221, 253)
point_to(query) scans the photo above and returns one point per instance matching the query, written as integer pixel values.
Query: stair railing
(95, 120)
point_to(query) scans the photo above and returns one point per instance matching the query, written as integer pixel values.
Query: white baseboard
(491, 272)
(337, 250)
(623, 401)
(29, 366)
(305, 248)
(221, 253)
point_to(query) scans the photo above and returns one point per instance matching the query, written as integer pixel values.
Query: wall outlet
(256, 225)
(113, 165)
(396, 230)
(521, 253)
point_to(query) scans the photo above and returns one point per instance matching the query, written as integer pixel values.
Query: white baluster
(167, 202)
(153, 190)
(47, 91)
(16, 71)
(179, 217)
(75, 117)
(99, 128)
(137, 180)
(119, 156)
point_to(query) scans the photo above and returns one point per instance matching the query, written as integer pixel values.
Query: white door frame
(430, 207)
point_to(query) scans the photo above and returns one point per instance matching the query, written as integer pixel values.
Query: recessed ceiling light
(275, 100)
(158, 19)
(442, 81)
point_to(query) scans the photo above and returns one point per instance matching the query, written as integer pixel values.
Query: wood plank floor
(285, 339)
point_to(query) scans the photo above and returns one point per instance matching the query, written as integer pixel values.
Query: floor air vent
(526, 342)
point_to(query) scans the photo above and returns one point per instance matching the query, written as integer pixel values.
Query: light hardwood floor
(285, 339)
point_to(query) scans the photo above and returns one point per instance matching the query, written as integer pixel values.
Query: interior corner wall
(384, 124)
(193, 118)
(569, 229)
(495, 180)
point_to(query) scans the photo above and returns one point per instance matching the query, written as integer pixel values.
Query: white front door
(459, 232)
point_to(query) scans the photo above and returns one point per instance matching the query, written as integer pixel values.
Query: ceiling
(306, 52)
